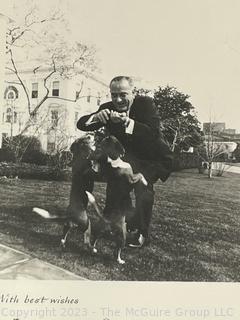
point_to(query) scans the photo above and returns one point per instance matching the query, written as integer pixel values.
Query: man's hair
(120, 78)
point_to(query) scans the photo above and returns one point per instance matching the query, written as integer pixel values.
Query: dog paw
(141, 239)
(120, 261)
(137, 243)
(63, 244)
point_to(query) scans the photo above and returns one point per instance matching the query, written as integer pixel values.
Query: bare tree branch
(65, 60)
(15, 70)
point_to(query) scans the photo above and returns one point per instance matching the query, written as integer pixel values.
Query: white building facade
(3, 27)
(54, 123)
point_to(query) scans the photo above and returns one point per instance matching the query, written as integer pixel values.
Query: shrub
(60, 160)
(185, 160)
(32, 171)
(7, 156)
(220, 168)
(35, 157)
(24, 148)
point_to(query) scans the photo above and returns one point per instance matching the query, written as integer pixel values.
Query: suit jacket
(146, 142)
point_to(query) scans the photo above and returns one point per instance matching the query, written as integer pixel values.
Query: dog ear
(74, 146)
(78, 146)
(81, 148)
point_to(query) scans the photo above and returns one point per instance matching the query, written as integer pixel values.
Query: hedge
(31, 171)
(185, 161)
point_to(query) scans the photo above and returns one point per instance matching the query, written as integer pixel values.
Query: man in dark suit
(134, 121)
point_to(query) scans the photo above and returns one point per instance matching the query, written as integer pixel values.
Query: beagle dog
(81, 192)
(120, 181)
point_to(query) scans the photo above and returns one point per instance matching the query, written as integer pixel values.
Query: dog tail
(47, 215)
(93, 202)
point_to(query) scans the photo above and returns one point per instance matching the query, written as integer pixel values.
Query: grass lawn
(195, 231)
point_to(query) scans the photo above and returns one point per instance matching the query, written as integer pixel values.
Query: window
(9, 115)
(54, 118)
(55, 90)
(11, 95)
(34, 90)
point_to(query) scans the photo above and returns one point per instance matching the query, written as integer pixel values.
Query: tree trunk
(210, 170)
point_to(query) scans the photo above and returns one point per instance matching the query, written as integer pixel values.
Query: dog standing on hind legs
(120, 181)
(80, 195)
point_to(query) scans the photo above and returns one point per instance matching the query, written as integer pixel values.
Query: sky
(193, 45)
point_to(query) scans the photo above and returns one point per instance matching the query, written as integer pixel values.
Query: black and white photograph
(120, 146)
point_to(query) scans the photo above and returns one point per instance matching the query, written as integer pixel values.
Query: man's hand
(136, 177)
(102, 116)
(117, 117)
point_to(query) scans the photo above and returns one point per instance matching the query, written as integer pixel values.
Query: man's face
(122, 95)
